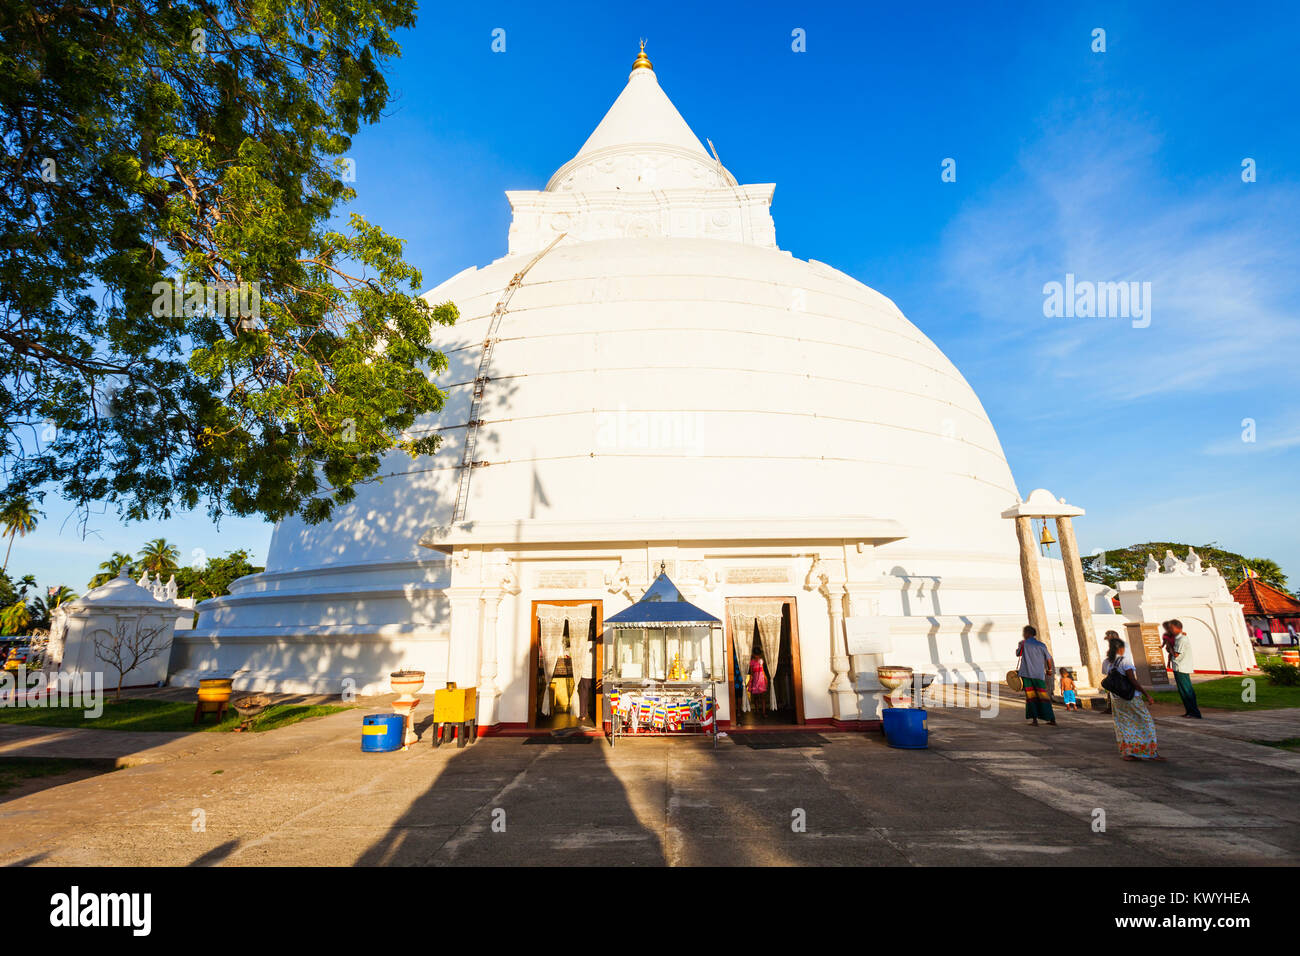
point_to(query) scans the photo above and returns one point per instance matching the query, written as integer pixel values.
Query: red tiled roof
(1264, 600)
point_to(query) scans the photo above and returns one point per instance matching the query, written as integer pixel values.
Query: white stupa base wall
(329, 630)
(333, 630)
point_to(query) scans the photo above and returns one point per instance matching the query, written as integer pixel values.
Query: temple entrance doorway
(565, 662)
(763, 651)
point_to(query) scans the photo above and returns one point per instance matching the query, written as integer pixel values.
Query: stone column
(1088, 652)
(463, 657)
(864, 601)
(489, 692)
(1033, 584)
(844, 699)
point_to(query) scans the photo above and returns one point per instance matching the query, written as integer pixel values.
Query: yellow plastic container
(454, 705)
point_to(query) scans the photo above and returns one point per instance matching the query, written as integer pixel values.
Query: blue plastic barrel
(382, 733)
(905, 728)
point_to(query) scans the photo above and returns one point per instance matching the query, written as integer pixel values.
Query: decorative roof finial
(642, 61)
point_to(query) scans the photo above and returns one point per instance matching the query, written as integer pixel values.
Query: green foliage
(17, 518)
(1129, 564)
(1226, 693)
(15, 618)
(159, 556)
(142, 714)
(61, 595)
(42, 608)
(112, 568)
(156, 154)
(1279, 672)
(215, 577)
(12, 598)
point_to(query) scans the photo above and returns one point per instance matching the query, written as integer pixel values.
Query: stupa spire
(643, 61)
(642, 172)
(642, 125)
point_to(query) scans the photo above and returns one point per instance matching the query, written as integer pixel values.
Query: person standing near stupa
(1035, 667)
(1182, 664)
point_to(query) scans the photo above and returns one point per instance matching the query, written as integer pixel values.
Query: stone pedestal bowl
(897, 681)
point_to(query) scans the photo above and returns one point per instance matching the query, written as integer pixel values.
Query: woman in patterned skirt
(1135, 730)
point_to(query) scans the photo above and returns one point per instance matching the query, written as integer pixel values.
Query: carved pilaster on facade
(464, 660)
(823, 579)
(489, 691)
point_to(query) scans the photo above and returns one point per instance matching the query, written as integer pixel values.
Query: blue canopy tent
(662, 605)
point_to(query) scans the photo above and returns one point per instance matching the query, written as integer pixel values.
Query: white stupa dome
(666, 378)
(665, 361)
(647, 377)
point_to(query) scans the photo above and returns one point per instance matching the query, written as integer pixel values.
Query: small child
(1067, 690)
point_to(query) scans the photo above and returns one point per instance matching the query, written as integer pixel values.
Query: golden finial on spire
(642, 60)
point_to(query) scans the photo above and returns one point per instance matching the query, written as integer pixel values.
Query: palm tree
(1269, 571)
(18, 518)
(160, 556)
(60, 595)
(112, 568)
(15, 618)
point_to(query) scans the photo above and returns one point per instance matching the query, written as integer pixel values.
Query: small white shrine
(1195, 593)
(118, 623)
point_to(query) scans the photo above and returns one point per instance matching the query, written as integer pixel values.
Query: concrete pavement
(987, 792)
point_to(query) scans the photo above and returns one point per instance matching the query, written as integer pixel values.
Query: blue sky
(1122, 165)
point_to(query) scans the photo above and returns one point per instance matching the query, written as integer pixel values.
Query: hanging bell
(1046, 537)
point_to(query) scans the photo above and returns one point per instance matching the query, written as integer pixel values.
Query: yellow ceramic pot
(215, 690)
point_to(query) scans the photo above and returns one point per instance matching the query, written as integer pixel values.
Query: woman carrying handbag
(1135, 730)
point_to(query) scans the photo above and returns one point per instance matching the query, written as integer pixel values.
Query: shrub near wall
(1280, 673)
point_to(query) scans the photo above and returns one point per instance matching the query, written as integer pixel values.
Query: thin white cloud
(1262, 443)
(1090, 198)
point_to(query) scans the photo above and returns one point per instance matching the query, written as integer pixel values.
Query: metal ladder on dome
(468, 464)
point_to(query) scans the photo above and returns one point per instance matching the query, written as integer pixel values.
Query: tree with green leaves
(17, 519)
(41, 609)
(215, 577)
(112, 568)
(60, 595)
(186, 316)
(15, 618)
(1129, 564)
(160, 556)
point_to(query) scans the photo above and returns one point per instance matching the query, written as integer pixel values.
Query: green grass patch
(1291, 743)
(282, 715)
(1225, 694)
(14, 771)
(165, 715)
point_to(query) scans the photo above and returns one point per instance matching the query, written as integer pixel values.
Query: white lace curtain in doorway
(550, 646)
(767, 615)
(579, 619)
